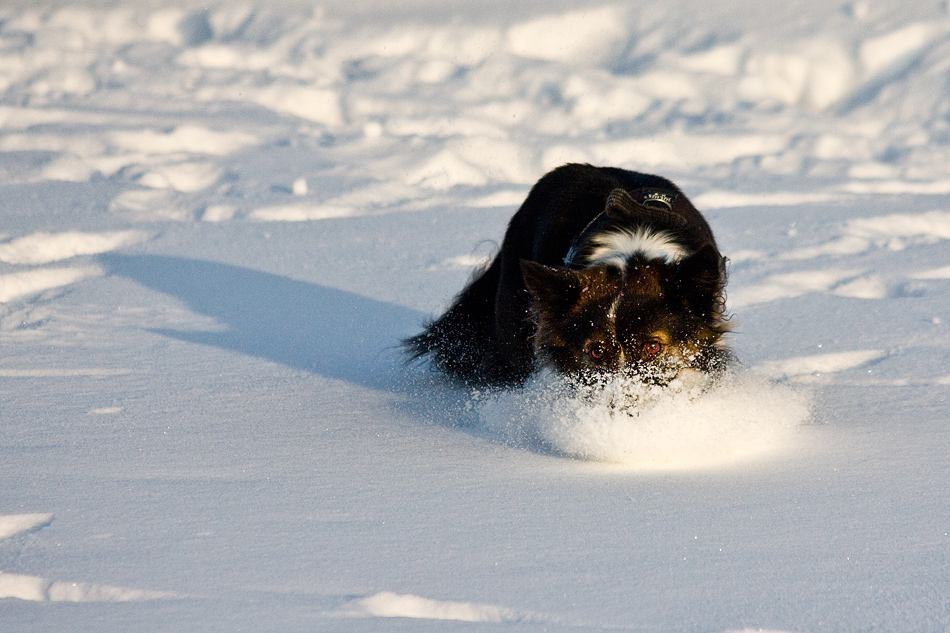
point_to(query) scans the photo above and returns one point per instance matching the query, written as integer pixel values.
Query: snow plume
(688, 424)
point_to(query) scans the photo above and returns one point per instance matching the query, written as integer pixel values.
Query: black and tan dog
(601, 271)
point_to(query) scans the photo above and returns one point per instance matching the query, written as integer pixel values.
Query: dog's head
(650, 318)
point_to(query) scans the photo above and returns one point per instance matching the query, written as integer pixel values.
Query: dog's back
(486, 336)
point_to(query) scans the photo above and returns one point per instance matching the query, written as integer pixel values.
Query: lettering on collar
(658, 200)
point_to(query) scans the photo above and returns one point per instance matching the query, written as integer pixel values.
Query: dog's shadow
(306, 326)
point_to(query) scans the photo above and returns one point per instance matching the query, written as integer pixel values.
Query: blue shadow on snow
(332, 332)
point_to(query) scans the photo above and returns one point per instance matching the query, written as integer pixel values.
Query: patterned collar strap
(643, 206)
(651, 205)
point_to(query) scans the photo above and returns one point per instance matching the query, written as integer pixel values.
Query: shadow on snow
(335, 333)
(332, 332)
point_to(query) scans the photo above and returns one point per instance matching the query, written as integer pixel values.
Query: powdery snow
(43, 248)
(28, 282)
(37, 589)
(683, 426)
(390, 605)
(16, 523)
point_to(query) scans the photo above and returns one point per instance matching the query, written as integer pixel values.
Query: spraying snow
(687, 424)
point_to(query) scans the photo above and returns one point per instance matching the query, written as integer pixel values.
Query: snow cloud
(680, 427)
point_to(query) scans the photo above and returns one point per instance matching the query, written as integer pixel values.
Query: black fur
(541, 302)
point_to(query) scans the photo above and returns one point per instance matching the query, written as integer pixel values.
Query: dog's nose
(652, 373)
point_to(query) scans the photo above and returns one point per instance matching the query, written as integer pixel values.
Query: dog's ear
(700, 278)
(552, 288)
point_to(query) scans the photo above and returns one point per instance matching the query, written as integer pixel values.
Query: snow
(40, 590)
(29, 282)
(809, 366)
(219, 220)
(587, 36)
(683, 426)
(43, 248)
(14, 523)
(386, 604)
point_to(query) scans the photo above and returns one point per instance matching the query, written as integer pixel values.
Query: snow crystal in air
(683, 425)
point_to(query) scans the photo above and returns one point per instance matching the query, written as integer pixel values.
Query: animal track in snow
(28, 282)
(895, 232)
(37, 589)
(812, 368)
(387, 604)
(13, 524)
(790, 285)
(44, 248)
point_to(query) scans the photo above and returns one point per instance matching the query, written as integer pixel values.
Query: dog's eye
(652, 348)
(596, 351)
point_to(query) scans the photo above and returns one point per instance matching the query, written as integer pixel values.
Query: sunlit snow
(219, 220)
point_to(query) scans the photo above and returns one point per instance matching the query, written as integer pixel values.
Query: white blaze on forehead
(616, 247)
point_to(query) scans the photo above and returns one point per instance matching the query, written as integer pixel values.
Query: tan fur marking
(662, 336)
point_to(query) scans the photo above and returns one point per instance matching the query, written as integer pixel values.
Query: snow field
(852, 106)
(218, 221)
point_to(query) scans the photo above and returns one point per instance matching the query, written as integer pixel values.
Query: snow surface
(219, 220)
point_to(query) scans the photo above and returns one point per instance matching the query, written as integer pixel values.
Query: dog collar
(642, 206)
